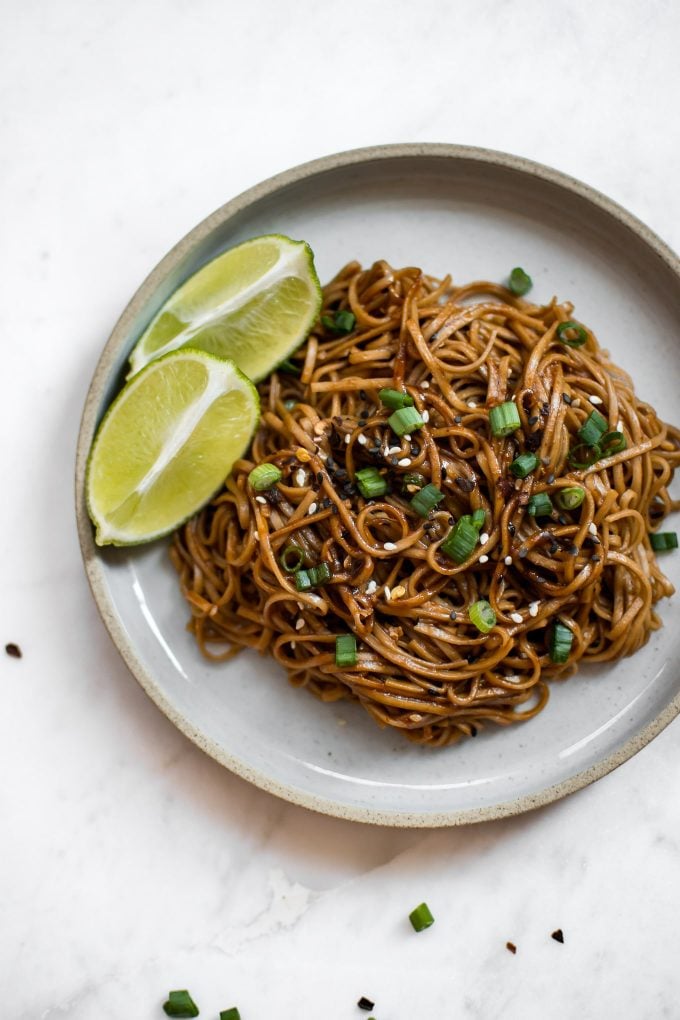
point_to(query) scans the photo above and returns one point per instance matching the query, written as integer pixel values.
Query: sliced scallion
(593, 429)
(540, 505)
(661, 540)
(520, 282)
(570, 498)
(572, 334)
(371, 483)
(413, 478)
(504, 419)
(264, 476)
(289, 367)
(612, 442)
(524, 465)
(292, 558)
(314, 577)
(584, 455)
(461, 540)
(478, 518)
(482, 615)
(394, 399)
(181, 1004)
(345, 650)
(343, 321)
(561, 640)
(421, 918)
(405, 420)
(426, 499)
(230, 1014)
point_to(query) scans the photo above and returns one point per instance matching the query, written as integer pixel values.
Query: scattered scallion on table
(180, 1004)
(230, 1014)
(663, 540)
(421, 918)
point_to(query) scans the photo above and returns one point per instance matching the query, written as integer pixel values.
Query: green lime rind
(166, 444)
(254, 303)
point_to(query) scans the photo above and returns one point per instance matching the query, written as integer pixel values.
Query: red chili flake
(13, 650)
(511, 946)
(558, 935)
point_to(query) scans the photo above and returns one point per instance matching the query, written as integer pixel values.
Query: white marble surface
(129, 862)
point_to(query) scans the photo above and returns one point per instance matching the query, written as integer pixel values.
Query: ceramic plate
(476, 214)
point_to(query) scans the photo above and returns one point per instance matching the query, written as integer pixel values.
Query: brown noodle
(422, 666)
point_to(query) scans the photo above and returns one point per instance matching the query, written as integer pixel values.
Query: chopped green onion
(504, 419)
(264, 476)
(412, 478)
(561, 639)
(292, 558)
(524, 465)
(580, 460)
(371, 483)
(478, 518)
(540, 505)
(421, 918)
(593, 429)
(342, 321)
(482, 615)
(570, 498)
(461, 540)
(230, 1014)
(180, 1003)
(661, 540)
(394, 399)
(572, 334)
(289, 367)
(426, 499)
(315, 577)
(405, 421)
(612, 442)
(345, 650)
(520, 282)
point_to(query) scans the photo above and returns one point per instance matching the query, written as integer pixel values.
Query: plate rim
(94, 566)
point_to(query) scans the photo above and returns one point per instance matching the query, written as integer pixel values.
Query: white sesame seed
(516, 618)
(425, 384)
(347, 438)
(592, 528)
(371, 587)
(405, 462)
(472, 403)
(619, 426)
(483, 371)
(533, 609)
(299, 624)
(388, 594)
(576, 402)
(483, 559)
(390, 546)
(407, 437)
(312, 508)
(595, 400)
(425, 416)
(508, 560)
(260, 499)
(300, 477)
(362, 440)
(391, 450)
(292, 644)
(483, 538)
(256, 537)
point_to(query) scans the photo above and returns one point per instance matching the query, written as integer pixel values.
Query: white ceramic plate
(476, 214)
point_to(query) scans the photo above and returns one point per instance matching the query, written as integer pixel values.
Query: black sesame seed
(393, 460)
(319, 477)
(453, 615)
(573, 550)
(566, 398)
(511, 528)
(443, 472)
(473, 730)
(458, 419)
(362, 394)
(554, 546)
(415, 449)
(561, 518)
(596, 559)
(523, 552)
(545, 408)
(533, 419)
(550, 479)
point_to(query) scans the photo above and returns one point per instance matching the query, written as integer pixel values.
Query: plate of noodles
(456, 602)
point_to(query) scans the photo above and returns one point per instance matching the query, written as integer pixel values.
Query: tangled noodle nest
(422, 666)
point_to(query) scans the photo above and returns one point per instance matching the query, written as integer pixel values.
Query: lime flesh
(254, 304)
(166, 445)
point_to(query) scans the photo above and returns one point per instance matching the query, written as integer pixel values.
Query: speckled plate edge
(93, 564)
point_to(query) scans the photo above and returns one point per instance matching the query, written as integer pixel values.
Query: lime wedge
(166, 444)
(254, 304)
